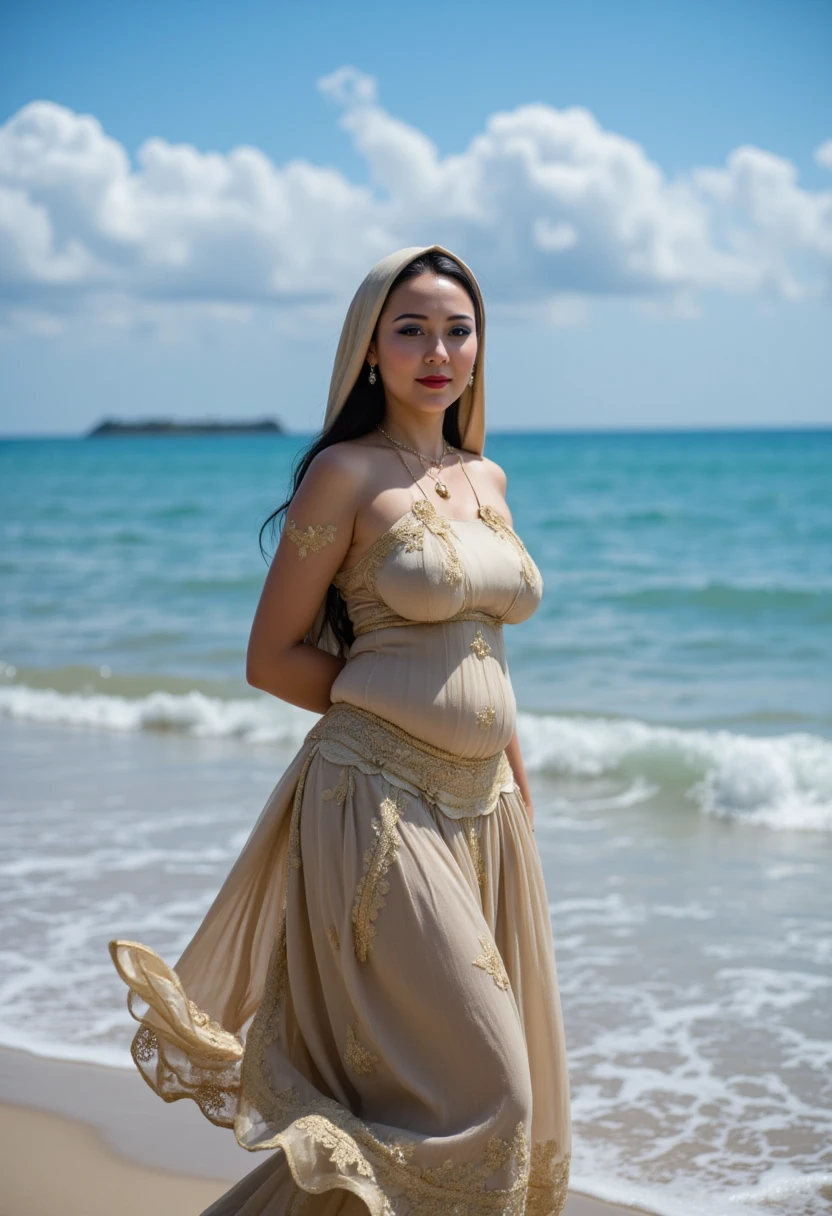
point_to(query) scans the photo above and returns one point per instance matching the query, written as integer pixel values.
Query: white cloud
(550, 208)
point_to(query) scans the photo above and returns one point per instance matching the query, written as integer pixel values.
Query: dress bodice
(427, 602)
(429, 568)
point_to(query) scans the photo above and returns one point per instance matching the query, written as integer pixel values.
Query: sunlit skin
(427, 328)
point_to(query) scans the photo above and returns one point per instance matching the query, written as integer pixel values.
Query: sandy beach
(113, 1146)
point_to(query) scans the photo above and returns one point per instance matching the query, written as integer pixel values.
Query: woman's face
(425, 343)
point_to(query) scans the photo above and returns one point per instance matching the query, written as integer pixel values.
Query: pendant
(442, 490)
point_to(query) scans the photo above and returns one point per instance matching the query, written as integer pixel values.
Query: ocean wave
(194, 713)
(780, 781)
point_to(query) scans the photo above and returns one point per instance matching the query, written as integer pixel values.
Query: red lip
(434, 381)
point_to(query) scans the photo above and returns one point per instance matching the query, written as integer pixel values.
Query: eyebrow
(420, 316)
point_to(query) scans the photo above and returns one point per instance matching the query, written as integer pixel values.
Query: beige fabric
(374, 990)
(350, 362)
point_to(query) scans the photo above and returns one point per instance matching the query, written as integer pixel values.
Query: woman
(373, 991)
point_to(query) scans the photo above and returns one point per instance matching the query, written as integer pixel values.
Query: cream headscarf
(350, 361)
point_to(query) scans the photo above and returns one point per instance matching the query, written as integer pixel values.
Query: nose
(437, 353)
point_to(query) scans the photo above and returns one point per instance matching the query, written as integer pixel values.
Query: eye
(409, 330)
(460, 331)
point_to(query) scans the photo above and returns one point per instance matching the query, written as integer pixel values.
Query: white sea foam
(253, 719)
(781, 782)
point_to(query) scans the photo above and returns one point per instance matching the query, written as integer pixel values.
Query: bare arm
(515, 759)
(316, 536)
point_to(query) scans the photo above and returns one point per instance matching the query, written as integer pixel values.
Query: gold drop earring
(471, 377)
(372, 376)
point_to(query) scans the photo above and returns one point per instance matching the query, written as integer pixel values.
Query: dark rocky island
(166, 426)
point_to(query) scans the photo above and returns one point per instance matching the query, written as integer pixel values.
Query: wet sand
(84, 1140)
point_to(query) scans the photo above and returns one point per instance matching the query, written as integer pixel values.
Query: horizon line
(684, 429)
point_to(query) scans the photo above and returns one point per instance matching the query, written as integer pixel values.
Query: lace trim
(313, 538)
(410, 532)
(473, 842)
(374, 885)
(458, 786)
(491, 962)
(497, 523)
(548, 1179)
(344, 789)
(358, 1058)
(293, 852)
(461, 1188)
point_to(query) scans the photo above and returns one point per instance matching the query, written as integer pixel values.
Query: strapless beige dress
(373, 993)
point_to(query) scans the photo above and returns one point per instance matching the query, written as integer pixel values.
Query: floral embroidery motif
(497, 523)
(548, 1180)
(473, 841)
(374, 886)
(344, 789)
(334, 937)
(485, 717)
(491, 962)
(465, 1188)
(479, 645)
(410, 532)
(313, 537)
(441, 527)
(358, 1058)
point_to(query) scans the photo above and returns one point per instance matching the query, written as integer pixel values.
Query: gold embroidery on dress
(334, 937)
(485, 717)
(500, 525)
(358, 1058)
(313, 537)
(474, 849)
(406, 531)
(410, 532)
(479, 645)
(465, 1188)
(548, 1180)
(344, 789)
(374, 886)
(293, 854)
(491, 962)
(442, 527)
(464, 786)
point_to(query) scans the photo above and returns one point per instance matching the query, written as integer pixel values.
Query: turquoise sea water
(675, 697)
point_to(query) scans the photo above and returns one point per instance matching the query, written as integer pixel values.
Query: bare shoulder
(341, 469)
(489, 471)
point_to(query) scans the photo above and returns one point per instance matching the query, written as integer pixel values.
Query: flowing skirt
(373, 993)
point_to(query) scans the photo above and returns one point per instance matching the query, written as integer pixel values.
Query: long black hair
(362, 412)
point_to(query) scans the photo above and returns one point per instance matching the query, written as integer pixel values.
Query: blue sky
(635, 276)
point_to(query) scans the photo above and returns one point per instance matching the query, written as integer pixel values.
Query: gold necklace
(440, 486)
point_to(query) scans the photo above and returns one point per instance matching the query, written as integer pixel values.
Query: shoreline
(106, 1124)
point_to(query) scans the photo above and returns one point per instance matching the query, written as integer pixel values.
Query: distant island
(166, 426)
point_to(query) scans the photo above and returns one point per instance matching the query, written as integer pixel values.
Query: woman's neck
(424, 433)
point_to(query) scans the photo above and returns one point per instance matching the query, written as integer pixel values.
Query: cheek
(398, 357)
